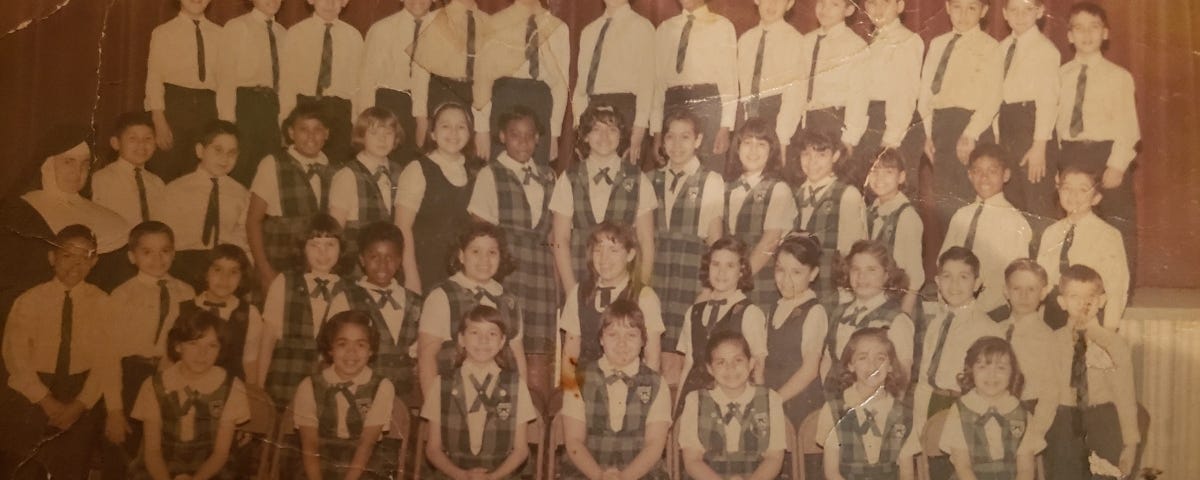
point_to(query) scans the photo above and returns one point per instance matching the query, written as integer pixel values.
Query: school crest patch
(504, 410)
(693, 192)
(643, 393)
(215, 408)
(1018, 429)
(627, 184)
(899, 431)
(363, 405)
(760, 196)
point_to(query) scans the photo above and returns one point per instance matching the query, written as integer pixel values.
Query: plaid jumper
(233, 336)
(622, 208)
(698, 377)
(392, 360)
(298, 204)
(756, 432)
(372, 207)
(887, 227)
(678, 251)
(853, 462)
(1012, 429)
(338, 452)
(880, 317)
(498, 430)
(590, 322)
(295, 355)
(462, 301)
(185, 457)
(750, 221)
(784, 360)
(534, 279)
(824, 224)
(616, 448)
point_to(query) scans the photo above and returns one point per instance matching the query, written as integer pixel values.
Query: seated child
(894, 221)
(1034, 343)
(226, 283)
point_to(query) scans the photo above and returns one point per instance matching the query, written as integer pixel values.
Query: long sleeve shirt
(1109, 107)
(388, 62)
(302, 61)
(1097, 245)
(893, 73)
(972, 79)
(839, 79)
(780, 72)
(626, 65)
(443, 48)
(1027, 80)
(174, 58)
(503, 55)
(246, 58)
(710, 57)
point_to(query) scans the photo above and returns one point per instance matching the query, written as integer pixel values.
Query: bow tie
(322, 289)
(191, 400)
(731, 412)
(742, 184)
(616, 376)
(602, 175)
(481, 293)
(381, 172)
(851, 316)
(314, 169)
(214, 307)
(675, 178)
(385, 298)
(991, 414)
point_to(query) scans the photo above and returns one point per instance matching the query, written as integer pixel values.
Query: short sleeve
(573, 406)
(902, 334)
(684, 346)
(431, 408)
(304, 405)
(952, 438)
(689, 436)
(254, 329)
(651, 310)
(647, 200)
(525, 411)
(754, 327)
(781, 212)
(660, 407)
(273, 308)
(825, 431)
(380, 413)
(813, 332)
(237, 405)
(483, 197)
(568, 320)
(343, 195)
(410, 187)
(266, 186)
(145, 407)
(435, 315)
(561, 201)
(778, 439)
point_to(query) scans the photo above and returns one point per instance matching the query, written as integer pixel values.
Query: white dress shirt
(881, 404)
(410, 186)
(266, 179)
(307, 411)
(562, 200)
(234, 410)
(435, 312)
(115, 187)
(711, 56)
(274, 304)
(1109, 107)
(484, 203)
(840, 79)
(1097, 245)
(852, 211)
(626, 64)
(781, 74)
(972, 79)
(246, 58)
(660, 406)
(388, 62)
(301, 57)
(711, 204)
(343, 188)
(908, 250)
(174, 59)
(188, 197)
(781, 211)
(893, 75)
(1027, 79)
(689, 437)
(503, 55)
(432, 408)
(1001, 235)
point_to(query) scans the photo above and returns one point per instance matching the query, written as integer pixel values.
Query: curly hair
(988, 350)
(755, 129)
(739, 248)
(896, 283)
(483, 229)
(896, 381)
(327, 337)
(599, 112)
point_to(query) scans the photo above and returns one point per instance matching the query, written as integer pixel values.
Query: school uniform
(181, 82)
(295, 188)
(391, 78)
(879, 311)
(599, 190)
(296, 306)
(310, 76)
(616, 404)
(753, 205)
(52, 347)
(1041, 353)
(616, 67)
(733, 432)
(582, 314)
(147, 309)
(248, 87)
(769, 77)
(893, 81)
(241, 333)
(873, 433)
(960, 95)
(206, 211)
(447, 305)
(1098, 413)
(997, 233)
(992, 432)
(449, 50)
(191, 412)
(516, 197)
(949, 333)
(361, 193)
(524, 62)
(734, 313)
(693, 54)
(896, 224)
(1097, 129)
(340, 410)
(395, 312)
(797, 322)
(692, 199)
(131, 191)
(437, 190)
(835, 98)
(1027, 114)
(478, 411)
(1092, 242)
(836, 214)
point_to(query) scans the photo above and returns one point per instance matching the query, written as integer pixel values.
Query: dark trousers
(1075, 434)
(951, 188)
(871, 144)
(940, 467)
(191, 267)
(1036, 200)
(337, 113)
(704, 101)
(624, 104)
(400, 103)
(765, 107)
(187, 110)
(31, 449)
(257, 117)
(1117, 206)
(508, 93)
(117, 458)
(444, 90)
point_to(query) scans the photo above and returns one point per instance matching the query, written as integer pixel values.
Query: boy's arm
(899, 110)
(18, 351)
(1127, 130)
(155, 100)
(989, 93)
(227, 71)
(925, 94)
(856, 101)
(852, 220)
(376, 49)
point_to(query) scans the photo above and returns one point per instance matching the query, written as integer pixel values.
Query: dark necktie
(1064, 259)
(314, 169)
(594, 68)
(940, 73)
(714, 308)
(811, 198)
(602, 175)
(381, 171)
(143, 207)
(869, 425)
(732, 411)
(675, 178)
(937, 351)
(531, 46)
(413, 48)
(211, 234)
(1079, 370)
(529, 175)
(1008, 57)
(812, 68)
(164, 306)
(62, 366)
(742, 184)
(1077, 109)
(482, 293)
(470, 45)
(684, 36)
(386, 298)
(605, 296)
(758, 66)
(480, 392)
(615, 377)
(969, 243)
(274, 54)
(322, 289)
(199, 51)
(325, 72)
(872, 217)
(354, 417)
(214, 307)
(191, 400)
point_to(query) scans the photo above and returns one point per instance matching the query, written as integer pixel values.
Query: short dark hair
(1026, 265)
(380, 231)
(131, 119)
(519, 112)
(624, 311)
(722, 337)
(191, 326)
(802, 246)
(321, 225)
(758, 129)
(1090, 8)
(984, 151)
(484, 314)
(739, 248)
(989, 349)
(373, 117)
(959, 254)
(73, 232)
(214, 129)
(229, 251)
(332, 327)
(600, 112)
(478, 229)
(890, 158)
(305, 111)
(1073, 169)
(149, 227)
(1080, 273)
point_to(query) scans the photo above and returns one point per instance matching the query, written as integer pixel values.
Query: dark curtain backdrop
(85, 60)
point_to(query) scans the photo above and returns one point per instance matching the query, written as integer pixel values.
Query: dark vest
(1012, 430)
(756, 433)
(622, 207)
(498, 429)
(392, 360)
(443, 215)
(853, 462)
(462, 301)
(590, 321)
(297, 204)
(617, 448)
(233, 336)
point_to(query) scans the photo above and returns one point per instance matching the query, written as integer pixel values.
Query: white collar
(370, 162)
(870, 303)
(320, 159)
(146, 279)
(231, 303)
(793, 302)
(719, 396)
(891, 205)
(491, 286)
(517, 167)
(619, 287)
(689, 168)
(480, 372)
(996, 200)
(594, 164)
(361, 378)
(394, 286)
(752, 179)
(820, 184)
(977, 403)
(607, 368)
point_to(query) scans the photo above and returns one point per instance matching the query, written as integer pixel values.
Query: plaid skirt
(676, 279)
(535, 283)
(280, 240)
(336, 454)
(181, 458)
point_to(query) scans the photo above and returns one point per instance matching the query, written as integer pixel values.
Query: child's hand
(1035, 160)
(162, 130)
(51, 407)
(721, 141)
(964, 148)
(849, 150)
(483, 146)
(1112, 178)
(183, 476)
(1125, 463)
(115, 427)
(69, 415)
(611, 474)
(929, 149)
(477, 474)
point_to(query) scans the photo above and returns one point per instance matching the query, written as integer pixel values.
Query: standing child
(478, 410)
(601, 188)
(362, 191)
(732, 428)
(207, 206)
(226, 282)
(392, 79)
(1098, 124)
(960, 95)
(689, 221)
(616, 68)
(1033, 342)
(867, 429)
(1027, 113)
(829, 208)
(181, 85)
(616, 423)
(893, 221)
(524, 62)
(125, 186)
(432, 195)
(447, 49)
(693, 53)
(248, 83)
(987, 430)
(759, 206)
(725, 272)
(342, 412)
(289, 187)
(298, 302)
(513, 193)
(612, 262)
(991, 227)
(321, 57)
(190, 409)
(893, 71)
(833, 58)
(768, 74)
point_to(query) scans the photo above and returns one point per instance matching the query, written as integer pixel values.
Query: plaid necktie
(200, 66)
(325, 71)
(481, 395)
(937, 350)
(969, 243)
(732, 411)
(531, 46)
(386, 298)
(594, 67)
(684, 37)
(944, 62)
(1076, 127)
